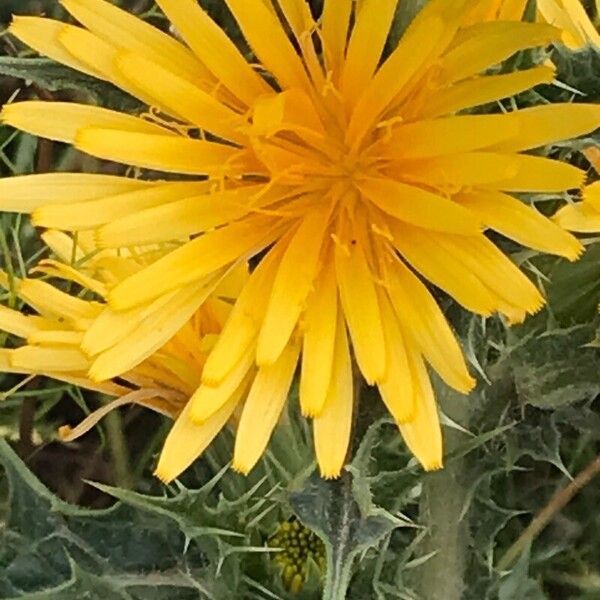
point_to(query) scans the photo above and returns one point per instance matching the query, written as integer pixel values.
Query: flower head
(349, 172)
(297, 545)
(53, 337)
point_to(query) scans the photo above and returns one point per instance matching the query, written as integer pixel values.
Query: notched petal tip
(96, 374)
(240, 467)
(330, 474)
(64, 433)
(163, 475)
(468, 384)
(575, 251)
(434, 465)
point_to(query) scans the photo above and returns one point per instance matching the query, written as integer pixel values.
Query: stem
(337, 581)
(339, 568)
(118, 449)
(442, 507)
(26, 427)
(560, 499)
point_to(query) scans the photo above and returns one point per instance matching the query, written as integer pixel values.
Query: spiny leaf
(330, 509)
(49, 548)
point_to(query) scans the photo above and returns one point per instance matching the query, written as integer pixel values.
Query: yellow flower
(352, 178)
(52, 338)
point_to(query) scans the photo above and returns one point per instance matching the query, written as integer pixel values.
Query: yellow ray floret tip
(240, 467)
(330, 474)
(64, 432)
(434, 465)
(162, 474)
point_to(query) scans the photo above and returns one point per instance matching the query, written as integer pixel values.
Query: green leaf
(54, 77)
(51, 549)
(330, 509)
(556, 367)
(574, 290)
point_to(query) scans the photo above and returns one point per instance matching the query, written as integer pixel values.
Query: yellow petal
(512, 10)
(484, 10)
(419, 207)
(494, 270)
(423, 435)
(151, 334)
(60, 270)
(412, 54)
(397, 388)
(262, 409)
(214, 48)
(191, 214)
(361, 308)
(25, 193)
(442, 269)
(422, 318)
(187, 441)
(42, 35)
(161, 152)
(100, 55)
(297, 14)
(520, 222)
(335, 25)
(591, 195)
(64, 246)
(245, 319)
(55, 338)
(13, 321)
(208, 400)
(36, 359)
(60, 121)
(539, 174)
(492, 170)
(182, 98)
(571, 16)
(482, 90)
(52, 302)
(292, 285)
(541, 125)
(451, 135)
(111, 327)
(266, 36)
(319, 341)
(69, 434)
(333, 425)
(487, 44)
(580, 217)
(196, 259)
(109, 208)
(127, 31)
(373, 20)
